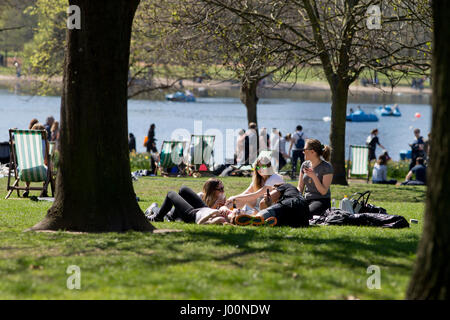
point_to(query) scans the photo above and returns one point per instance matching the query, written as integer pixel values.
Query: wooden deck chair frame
(358, 160)
(196, 167)
(13, 163)
(181, 166)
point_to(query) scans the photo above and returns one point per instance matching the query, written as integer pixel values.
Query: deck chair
(172, 156)
(358, 162)
(27, 160)
(202, 153)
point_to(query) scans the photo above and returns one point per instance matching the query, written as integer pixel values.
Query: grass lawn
(209, 262)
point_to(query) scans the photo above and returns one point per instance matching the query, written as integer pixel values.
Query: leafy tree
(335, 35)
(16, 27)
(212, 38)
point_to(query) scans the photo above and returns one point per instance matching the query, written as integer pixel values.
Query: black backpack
(360, 201)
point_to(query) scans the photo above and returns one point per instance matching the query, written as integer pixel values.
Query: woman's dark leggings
(318, 206)
(185, 203)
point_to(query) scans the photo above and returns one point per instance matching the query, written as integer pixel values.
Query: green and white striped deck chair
(172, 155)
(202, 151)
(359, 161)
(28, 160)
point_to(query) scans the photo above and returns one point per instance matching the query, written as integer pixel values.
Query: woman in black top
(372, 142)
(151, 144)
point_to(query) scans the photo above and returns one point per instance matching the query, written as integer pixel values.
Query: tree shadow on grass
(344, 250)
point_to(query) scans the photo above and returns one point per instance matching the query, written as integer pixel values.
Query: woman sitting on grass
(201, 208)
(379, 173)
(263, 179)
(316, 174)
(284, 206)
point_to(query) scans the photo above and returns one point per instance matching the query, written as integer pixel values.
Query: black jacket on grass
(290, 210)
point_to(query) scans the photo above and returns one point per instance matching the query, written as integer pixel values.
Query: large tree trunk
(431, 277)
(249, 98)
(94, 191)
(339, 97)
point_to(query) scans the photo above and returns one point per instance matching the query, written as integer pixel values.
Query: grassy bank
(209, 262)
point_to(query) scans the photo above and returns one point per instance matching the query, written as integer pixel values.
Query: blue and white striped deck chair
(202, 151)
(359, 161)
(28, 160)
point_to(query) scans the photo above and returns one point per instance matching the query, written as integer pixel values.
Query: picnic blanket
(337, 217)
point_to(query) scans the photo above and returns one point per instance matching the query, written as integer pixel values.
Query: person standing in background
(297, 146)
(151, 142)
(251, 143)
(372, 141)
(417, 148)
(240, 147)
(48, 126)
(131, 142)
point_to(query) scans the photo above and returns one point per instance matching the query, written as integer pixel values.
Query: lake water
(214, 115)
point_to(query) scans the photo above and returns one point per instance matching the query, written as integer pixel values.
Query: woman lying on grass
(190, 206)
(284, 206)
(263, 179)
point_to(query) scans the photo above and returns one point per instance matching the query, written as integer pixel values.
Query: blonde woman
(263, 179)
(316, 174)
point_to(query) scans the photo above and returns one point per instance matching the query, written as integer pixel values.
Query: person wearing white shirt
(263, 179)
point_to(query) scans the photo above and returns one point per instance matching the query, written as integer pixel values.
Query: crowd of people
(268, 200)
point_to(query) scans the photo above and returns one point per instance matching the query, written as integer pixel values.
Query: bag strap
(362, 195)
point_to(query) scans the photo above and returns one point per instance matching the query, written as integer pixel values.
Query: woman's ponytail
(326, 153)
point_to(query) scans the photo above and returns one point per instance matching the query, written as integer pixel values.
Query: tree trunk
(339, 97)
(249, 98)
(94, 191)
(431, 277)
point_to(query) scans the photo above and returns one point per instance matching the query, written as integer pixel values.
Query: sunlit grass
(209, 262)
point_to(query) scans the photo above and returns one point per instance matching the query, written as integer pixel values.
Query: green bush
(139, 161)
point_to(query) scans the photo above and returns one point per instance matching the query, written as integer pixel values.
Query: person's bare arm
(290, 146)
(243, 199)
(301, 183)
(323, 186)
(409, 175)
(266, 202)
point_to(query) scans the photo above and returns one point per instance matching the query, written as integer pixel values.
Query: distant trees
(16, 27)
(335, 35)
(215, 39)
